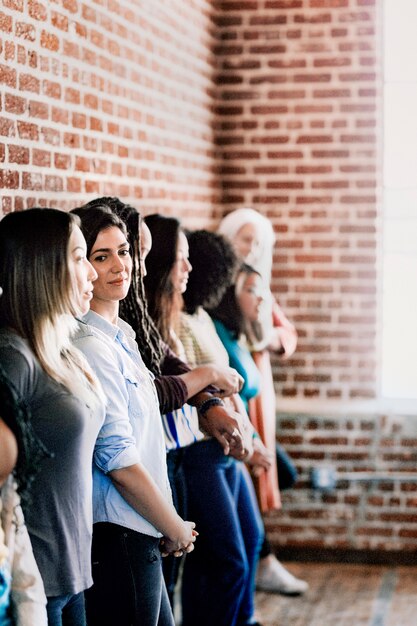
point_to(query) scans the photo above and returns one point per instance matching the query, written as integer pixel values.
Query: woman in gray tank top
(47, 281)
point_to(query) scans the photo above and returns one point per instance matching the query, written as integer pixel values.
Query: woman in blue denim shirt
(134, 518)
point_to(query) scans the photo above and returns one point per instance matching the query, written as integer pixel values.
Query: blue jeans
(66, 610)
(218, 581)
(129, 588)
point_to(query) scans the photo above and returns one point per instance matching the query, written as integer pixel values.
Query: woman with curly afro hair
(214, 265)
(217, 262)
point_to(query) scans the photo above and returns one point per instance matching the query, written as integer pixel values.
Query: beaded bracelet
(208, 403)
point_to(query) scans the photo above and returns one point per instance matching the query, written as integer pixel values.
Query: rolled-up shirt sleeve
(115, 446)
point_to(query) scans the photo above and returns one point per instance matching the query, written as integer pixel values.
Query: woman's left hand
(177, 553)
(261, 459)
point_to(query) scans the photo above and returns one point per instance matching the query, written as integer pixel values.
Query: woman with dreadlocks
(47, 281)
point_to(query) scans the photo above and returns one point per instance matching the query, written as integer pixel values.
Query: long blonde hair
(38, 300)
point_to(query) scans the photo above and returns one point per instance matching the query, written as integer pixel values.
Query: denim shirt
(132, 430)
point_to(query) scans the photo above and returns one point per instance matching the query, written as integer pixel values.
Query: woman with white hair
(253, 238)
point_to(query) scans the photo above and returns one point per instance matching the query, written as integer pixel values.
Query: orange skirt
(263, 418)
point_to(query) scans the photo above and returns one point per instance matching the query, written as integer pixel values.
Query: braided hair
(133, 309)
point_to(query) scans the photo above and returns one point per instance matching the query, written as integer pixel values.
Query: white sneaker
(274, 578)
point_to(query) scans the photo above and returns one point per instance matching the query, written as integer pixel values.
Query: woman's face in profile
(182, 266)
(81, 270)
(250, 297)
(247, 242)
(145, 246)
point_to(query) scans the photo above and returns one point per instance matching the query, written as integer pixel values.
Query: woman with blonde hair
(47, 281)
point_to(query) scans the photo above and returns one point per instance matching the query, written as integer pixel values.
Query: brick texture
(375, 514)
(108, 98)
(297, 99)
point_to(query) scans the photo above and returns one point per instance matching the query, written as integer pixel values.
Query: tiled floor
(345, 595)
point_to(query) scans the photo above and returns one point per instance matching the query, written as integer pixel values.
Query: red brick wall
(298, 97)
(375, 514)
(107, 98)
(298, 111)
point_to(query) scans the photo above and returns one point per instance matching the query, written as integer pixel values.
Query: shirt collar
(123, 332)
(126, 328)
(102, 324)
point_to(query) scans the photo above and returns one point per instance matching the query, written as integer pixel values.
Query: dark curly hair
(133, 309)
(214, 265)
(163, 302)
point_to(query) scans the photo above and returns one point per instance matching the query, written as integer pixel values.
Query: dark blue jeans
(129, 588)
(66, 610)
(218, 581)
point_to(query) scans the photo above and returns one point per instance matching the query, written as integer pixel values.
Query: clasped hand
(183, 544)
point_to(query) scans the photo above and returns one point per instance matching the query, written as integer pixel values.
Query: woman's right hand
(226, 426)
(181, 542)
